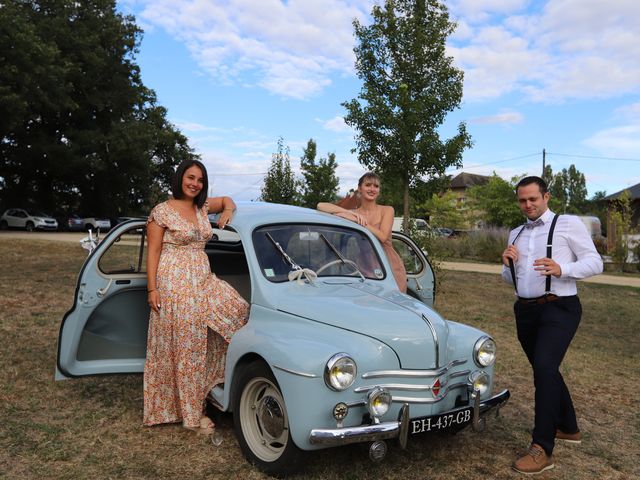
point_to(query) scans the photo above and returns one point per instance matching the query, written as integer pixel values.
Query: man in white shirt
(547, 311)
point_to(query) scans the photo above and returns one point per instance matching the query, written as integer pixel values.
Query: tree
(497, 201)
(320, 183)
(78, 129)
(621, 219)
(409, 85)
(442, 210)
(568, 190)
(597, 205)
(280, 185)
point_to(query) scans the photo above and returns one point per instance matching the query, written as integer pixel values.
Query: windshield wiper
(280, 250)
(341, 257)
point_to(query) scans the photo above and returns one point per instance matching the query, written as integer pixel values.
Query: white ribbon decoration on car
(298, 275)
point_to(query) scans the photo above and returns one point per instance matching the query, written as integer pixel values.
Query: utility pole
(544, 159)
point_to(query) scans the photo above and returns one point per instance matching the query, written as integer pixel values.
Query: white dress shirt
(572, 249)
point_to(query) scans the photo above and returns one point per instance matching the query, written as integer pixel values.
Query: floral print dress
(187, 341)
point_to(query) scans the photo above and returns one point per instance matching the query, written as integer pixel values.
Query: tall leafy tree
(409, 86)
(568, 190)
(319, 180)
(497, 202)
(442, 211)
(78, 129)
(280, 184)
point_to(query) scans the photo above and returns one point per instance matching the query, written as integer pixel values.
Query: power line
(503, 161)
(595, 157)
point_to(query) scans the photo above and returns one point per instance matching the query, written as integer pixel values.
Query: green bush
(481, 245)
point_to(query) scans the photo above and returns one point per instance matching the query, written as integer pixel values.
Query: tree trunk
(405, 213)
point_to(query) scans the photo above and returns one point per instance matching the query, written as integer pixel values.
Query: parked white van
(594, 227)
(419, 223)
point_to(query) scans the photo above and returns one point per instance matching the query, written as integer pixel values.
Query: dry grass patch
(91, 427)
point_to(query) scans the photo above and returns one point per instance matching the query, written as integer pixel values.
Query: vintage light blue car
(332, 353)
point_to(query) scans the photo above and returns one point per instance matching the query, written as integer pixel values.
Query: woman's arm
(342, 212)
(223, 205)
(384, 232)
(154, 246)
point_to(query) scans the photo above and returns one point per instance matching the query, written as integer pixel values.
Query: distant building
(634, 191)
(462, 182)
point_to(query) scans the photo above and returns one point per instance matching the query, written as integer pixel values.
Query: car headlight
(340, 372)
(484, 352)
(479, 381)
(378, 401)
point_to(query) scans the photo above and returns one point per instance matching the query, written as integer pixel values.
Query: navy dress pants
(545, 332)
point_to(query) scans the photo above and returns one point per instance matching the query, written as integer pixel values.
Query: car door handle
(101, 292)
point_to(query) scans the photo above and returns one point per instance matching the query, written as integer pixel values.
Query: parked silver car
(29, 220)
(95, 223)
(333, 353)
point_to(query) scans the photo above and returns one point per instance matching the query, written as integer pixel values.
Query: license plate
(441, 422)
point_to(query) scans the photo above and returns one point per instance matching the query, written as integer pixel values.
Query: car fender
(297, 350)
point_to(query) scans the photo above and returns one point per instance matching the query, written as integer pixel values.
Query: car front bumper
(331, 437)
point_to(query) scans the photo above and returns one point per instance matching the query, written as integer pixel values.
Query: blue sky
(235, 75)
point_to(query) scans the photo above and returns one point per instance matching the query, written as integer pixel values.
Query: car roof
(250, 215)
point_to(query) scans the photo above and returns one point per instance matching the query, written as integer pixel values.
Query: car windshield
(327, 250)
(37, 214)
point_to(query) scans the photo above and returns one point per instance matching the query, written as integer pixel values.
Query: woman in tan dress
(193, 313)
(378, 219)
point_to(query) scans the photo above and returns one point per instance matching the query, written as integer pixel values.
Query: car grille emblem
(436, 388)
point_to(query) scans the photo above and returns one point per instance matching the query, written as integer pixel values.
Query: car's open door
(420, 277)
(106, 329)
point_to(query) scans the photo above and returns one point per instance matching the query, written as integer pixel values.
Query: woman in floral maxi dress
(193, 313)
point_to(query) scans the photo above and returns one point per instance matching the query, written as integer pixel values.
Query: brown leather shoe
(534, 461)
(575, 438)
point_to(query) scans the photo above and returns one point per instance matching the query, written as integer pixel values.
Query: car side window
(127, 254)
(412, 262)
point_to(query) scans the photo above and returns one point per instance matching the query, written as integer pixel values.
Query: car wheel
(88, 227)
(214, 237)
(261, 423)
(4, 225)
(30, 227)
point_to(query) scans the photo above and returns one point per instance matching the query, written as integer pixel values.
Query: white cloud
(506, 117)
(187, 126)
(289, 48)
(622, 141)
(628, 112)
(566, 49)
(336, 124)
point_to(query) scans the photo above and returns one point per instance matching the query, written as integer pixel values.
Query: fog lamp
(378, 401)
(479, 381)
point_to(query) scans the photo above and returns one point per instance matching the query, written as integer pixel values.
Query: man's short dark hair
(176, 182)
(533, 179)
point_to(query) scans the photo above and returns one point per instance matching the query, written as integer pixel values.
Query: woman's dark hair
(533, 179)
(176, 182)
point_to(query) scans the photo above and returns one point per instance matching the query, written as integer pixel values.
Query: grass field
(91, 428)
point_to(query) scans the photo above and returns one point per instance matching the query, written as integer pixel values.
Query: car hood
(386, 315)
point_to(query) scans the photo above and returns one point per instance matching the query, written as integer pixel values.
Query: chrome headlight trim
(340, 372)
(378, 401)
(479, 381)
(484, 351)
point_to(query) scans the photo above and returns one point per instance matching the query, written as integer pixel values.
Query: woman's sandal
(206, 427)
